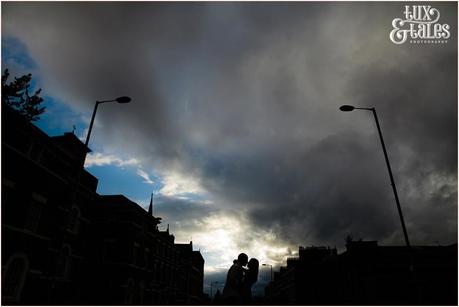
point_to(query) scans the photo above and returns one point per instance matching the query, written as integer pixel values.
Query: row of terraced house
(63, 243)
(367, 274)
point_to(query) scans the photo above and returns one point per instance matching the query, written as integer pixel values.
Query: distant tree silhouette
(15, 94)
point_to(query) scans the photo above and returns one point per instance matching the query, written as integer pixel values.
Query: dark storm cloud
(185, 210)
(244, 98)
(317, 196)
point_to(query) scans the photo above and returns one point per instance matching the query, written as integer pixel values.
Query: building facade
(62, 243)
(368, 274)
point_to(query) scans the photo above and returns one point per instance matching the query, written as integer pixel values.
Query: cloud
(220, 235)
(145, 176)
(179, 185)
(99, 159)
(16, 57)
(239, 103)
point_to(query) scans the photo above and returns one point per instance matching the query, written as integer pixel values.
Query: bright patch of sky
(175, 184)
(227, 232)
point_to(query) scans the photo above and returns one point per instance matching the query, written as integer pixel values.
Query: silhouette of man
(232, 293)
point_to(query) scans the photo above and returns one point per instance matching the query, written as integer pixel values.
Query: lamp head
(346, 108)
(123, 99)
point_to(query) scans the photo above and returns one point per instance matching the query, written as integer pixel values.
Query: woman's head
(252, 273)
(253, 264)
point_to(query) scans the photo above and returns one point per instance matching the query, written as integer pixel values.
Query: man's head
(243, 259)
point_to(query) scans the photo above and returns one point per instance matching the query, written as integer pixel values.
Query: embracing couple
(239, 281)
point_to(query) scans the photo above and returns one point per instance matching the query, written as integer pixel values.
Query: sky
(234, 120)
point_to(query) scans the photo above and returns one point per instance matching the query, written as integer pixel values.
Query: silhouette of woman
(250, 277)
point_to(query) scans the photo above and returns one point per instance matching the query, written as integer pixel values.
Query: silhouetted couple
(239, 281)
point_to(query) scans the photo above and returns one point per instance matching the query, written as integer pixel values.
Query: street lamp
(75, 184)
(348, 108)
(265, 264)
(123, 99)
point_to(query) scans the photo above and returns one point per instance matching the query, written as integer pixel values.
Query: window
(135, 253)
(154, 298)
(34, 212)
(140, 293)
(74, 219)
(64, 262)
(130, 292)
(7, 188)
(169, 274)
(161, 272)
(147, 258)
(14, 277)
(156, 271)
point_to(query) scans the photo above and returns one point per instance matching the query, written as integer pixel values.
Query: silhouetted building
(300, 280)
(420, 275)
(45, 213)
(62, 243)
(138, 263)
(368, 274)
(193, 267)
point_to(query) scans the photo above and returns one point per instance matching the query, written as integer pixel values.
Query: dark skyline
(235, 112)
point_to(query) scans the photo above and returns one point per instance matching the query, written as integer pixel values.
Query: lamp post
(348, 108)
(123, 99)
(265, 264)
(76, 180)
